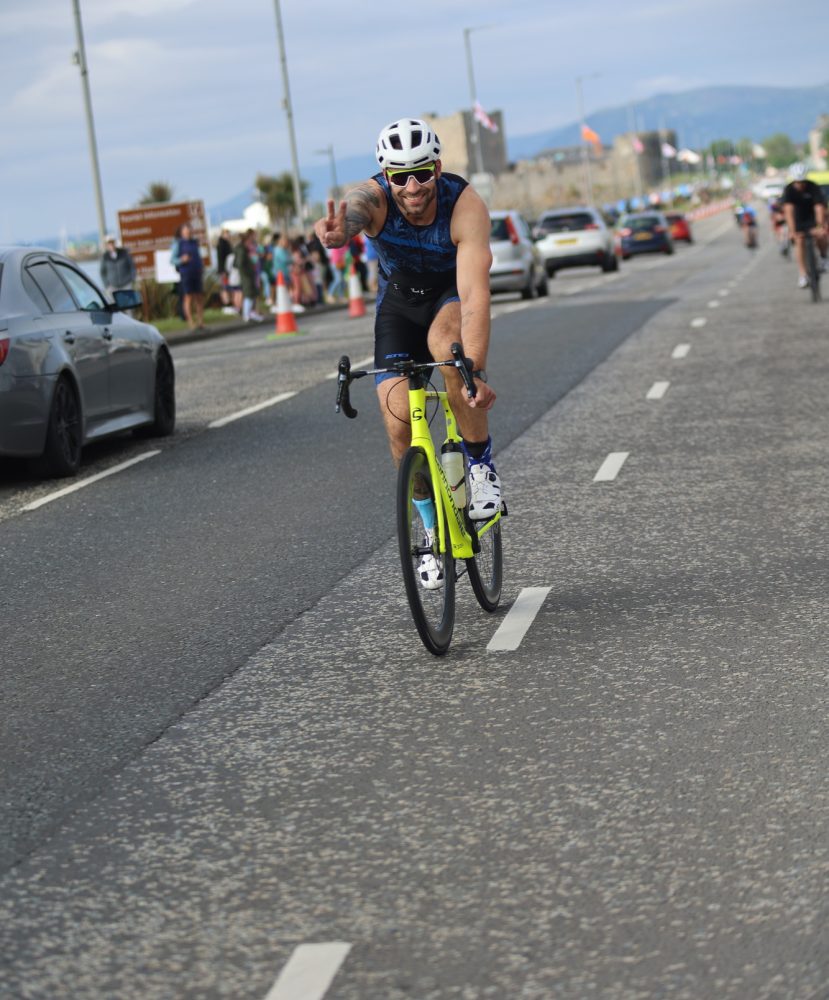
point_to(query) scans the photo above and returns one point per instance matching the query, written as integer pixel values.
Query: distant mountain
(697, 116)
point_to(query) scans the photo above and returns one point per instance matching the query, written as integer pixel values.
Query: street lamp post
(79, 57)
(335, 187)
(475, 135)
(585, 153)
(286, 104)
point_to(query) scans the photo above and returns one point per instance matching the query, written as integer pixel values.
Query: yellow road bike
(438, 541)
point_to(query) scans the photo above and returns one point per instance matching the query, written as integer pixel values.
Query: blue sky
(190, 91)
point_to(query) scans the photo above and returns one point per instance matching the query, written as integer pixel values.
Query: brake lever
(343, 383)
(464, 366)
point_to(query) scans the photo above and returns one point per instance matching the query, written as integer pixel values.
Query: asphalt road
(223, 741)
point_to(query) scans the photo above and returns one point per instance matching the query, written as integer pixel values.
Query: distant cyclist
(431, 233)
(805, 209)
(777, 217)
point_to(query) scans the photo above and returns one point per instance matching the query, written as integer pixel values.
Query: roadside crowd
(249, 267)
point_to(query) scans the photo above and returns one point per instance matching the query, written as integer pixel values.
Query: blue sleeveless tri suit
(416, 274)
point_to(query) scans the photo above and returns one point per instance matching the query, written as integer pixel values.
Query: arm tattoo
(358, 210)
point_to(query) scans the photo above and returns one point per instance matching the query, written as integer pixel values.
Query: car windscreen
(565, 223)
(498, 230)
(640, 223)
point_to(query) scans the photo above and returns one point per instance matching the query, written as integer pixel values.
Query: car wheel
(610, 264)
(62, 454)
(543, 288)
(529, 291)
(164, 399)
(551, 271)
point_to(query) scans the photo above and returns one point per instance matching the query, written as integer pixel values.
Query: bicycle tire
(812, 270)
(486, 568)
(433, 611)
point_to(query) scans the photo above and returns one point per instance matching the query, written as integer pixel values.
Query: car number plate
(643, 236)
(562, 243)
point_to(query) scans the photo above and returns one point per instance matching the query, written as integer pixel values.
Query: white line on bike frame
(657, 390)
(251, 409)
(518, 620)
(88, 482)
(681, 351)
(356, 364)
(698, 322)
(610, 467)
(309, 971)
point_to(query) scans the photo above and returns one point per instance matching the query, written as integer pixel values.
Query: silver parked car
(73, 367)
(571, 237)
(516, 265)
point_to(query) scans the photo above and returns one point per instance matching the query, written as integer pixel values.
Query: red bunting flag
(590, 136)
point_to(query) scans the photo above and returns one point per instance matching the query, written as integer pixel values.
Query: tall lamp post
(475, 135)
(79, 57)
(585, 152)
(286, 104)
(335, 187)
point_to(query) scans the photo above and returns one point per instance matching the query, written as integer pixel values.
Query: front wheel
(812, 269)
(428, 573)
(486, 568)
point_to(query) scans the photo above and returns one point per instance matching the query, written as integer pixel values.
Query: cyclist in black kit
(805, 209)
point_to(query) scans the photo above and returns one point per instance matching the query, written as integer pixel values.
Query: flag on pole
(590, 136)
(636, 142)
(668, 151)
(484, 118)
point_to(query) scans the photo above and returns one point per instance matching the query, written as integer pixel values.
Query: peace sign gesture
(331, 229)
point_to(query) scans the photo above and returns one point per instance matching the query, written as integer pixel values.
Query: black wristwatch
(481, 374)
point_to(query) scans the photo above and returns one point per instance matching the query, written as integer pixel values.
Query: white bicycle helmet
(406, 144)
(798, 171)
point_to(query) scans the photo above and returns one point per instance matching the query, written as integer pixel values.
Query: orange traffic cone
(285, 320)
(356, 302)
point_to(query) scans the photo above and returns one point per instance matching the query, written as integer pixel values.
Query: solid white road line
(251, 409)
(698, 322)
(657, 390)
(681, 351)
(87, 482)
(609, 469)
(518, 620)
(309, 971)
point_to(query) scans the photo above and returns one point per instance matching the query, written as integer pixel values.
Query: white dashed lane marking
(681, 351)
(309, 971)
(518, 620)
(657, 390)
(88, 482)
(222, 421)
(610, 467)
(698, 322)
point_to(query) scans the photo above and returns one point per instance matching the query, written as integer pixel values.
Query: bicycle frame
(464, 542)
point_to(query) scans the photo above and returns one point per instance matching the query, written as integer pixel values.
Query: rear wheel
(529, 291)
(62, 454)
(428, 574)
(486, 569)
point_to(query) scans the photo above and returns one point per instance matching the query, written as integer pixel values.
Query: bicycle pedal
(504, 510)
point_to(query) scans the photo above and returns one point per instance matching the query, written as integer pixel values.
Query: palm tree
(278, 195)
(157, 191)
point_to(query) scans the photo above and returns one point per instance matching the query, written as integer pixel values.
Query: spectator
(283, 259)
(224, 250)
(337, 257)
(356, 247)
(245, 260)
(190, 268)
(174, 261)
(117, 266)
(267, 270)
(321, 259)
(303, 291)
(371, 266)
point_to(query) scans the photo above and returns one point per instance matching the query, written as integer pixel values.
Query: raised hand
(331, 228)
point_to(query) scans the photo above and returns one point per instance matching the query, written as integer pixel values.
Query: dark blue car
(644, 232)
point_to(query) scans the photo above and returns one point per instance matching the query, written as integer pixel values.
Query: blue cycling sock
(426, 509)
(479, 452)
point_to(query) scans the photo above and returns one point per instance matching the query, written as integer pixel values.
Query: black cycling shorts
(405, 311)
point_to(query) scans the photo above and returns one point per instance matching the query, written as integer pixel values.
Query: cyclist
(805, 209)
(777, 218)
(431, 233)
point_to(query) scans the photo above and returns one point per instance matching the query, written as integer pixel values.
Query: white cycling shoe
(484, 492)
(430, 567)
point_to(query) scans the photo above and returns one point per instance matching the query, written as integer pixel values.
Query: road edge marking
(88, 481)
